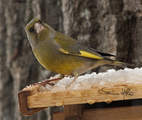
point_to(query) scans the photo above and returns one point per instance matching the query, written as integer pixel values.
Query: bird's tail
(121, 64)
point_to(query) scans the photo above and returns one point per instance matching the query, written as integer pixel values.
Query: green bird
(62, 54)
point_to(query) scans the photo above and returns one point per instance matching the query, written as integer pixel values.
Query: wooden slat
(99, 94)
(23, 104)
(116, 113)
(58, 115)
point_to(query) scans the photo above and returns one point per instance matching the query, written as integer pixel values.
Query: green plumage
(62, 54)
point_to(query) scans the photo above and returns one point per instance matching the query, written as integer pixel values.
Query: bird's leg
(76, 74)
(43, 83)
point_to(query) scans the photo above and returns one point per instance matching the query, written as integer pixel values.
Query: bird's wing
(102, 53)
(70, 46)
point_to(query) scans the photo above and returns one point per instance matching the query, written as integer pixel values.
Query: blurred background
(112, 26)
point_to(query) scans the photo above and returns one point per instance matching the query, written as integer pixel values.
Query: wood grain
(121, 92)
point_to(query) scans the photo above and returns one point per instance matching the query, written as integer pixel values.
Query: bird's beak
(38, 27)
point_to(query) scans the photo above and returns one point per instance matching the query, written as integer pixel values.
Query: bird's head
(37, 31)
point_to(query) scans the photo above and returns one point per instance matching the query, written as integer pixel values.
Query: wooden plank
(23, 104)
(72, 118)
(116, 113)
(87, 89)
(58, 115)
(62, 116)
(98, 94)
(71, 112)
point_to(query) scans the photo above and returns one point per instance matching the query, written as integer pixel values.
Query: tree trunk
(113, 26)
(19, 67)
(107, 25)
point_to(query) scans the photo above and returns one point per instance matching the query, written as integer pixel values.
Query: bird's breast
(55, 61)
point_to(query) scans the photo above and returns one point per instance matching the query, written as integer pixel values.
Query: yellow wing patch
(89, 55)
(83, 54)
(63, 51)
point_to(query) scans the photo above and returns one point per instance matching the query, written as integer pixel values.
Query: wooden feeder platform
(32, 99)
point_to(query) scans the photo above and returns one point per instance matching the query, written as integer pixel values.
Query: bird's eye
(40, 21)
(31, 29)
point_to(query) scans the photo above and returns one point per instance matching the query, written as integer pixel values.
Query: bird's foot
(48, 81)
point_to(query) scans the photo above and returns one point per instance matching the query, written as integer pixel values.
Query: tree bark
(19, 67)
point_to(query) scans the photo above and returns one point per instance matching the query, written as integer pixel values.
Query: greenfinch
(62, 54)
